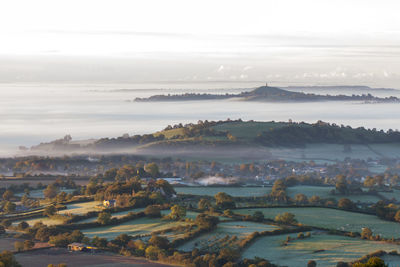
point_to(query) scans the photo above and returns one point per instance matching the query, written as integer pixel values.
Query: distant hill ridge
(232, 133)
(269, 94)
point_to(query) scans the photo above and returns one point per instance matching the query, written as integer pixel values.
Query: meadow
(239, 229)
(82, 208)
(325, 249)
(135, 227)
(333, 219)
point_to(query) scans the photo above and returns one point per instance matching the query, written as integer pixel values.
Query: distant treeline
(302, 133)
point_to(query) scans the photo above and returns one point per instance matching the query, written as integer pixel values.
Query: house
(81, 247)
(110, 203)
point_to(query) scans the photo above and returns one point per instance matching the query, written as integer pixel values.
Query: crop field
(334, 219)
(324, 192)
(325, 249)
(233, 191)
(81, 208)
(134, 227)
(239, 229)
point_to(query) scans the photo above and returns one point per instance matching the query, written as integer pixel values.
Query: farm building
(81, 247)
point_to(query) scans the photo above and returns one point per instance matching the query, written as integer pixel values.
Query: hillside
(237, 133)
(268, 94)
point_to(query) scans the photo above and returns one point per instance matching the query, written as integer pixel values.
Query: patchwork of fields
(334, 219)
(325, 249)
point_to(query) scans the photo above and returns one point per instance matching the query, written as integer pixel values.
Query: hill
(229, 133)
(269, 94)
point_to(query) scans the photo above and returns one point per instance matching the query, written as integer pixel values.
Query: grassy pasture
(135, 227)
(334, 219)
(299, 252)
(114, 215)
(81, 208)
(324, 192)
(233, 191)
(239, 229)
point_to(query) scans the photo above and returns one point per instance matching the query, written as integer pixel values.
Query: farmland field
(324, 192)
(334, 219)
(82, 208)
(325, 249)
(134, 227)
(114, 215)
(239, 229)
(233, 191)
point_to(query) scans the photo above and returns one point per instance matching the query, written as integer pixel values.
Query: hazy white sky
(303, 41)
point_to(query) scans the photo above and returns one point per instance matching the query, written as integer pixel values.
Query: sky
(316, 42)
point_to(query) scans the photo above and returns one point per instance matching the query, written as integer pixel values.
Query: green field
(233, 191)
(114, 215)
(390, 195)
(239, 229)
(82, 208)
(135, 227)
(334, 219)
(324, 192)
(299, 252)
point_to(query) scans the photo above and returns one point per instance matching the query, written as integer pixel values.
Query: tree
(311, 263)
(50, 211)
(258, 216)
(9, 207)
(372, 262)
(346, 204)
(224, 201)
(152, 169)
(159, 241)
(366, 233)
(285, 218)
(397, 216)
(315, 199)
(125, 172)
(50, 191)
(19, 246)
(152, 252)
(341, 184)
(153, 211)
(7, 195)
(23, 225)
(177, 212)
(2, 230)
(7, 259)
(301, 199)
(206, 221)
(28, 244)
(104, 218)
(204, 204)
